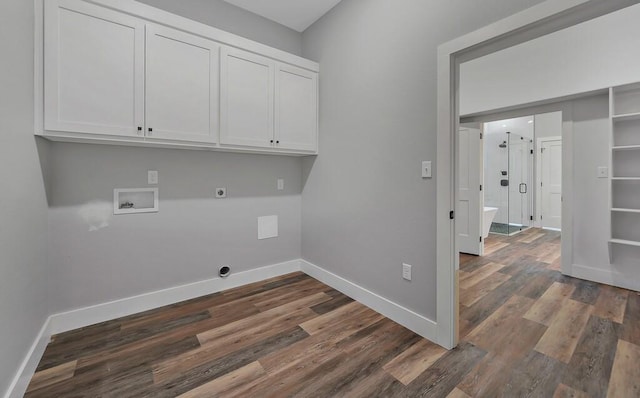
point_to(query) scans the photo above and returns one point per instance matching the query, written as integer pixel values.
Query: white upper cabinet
(296, 108)
(126, 73)
(94, 70)
(246, 99)
(182, 86)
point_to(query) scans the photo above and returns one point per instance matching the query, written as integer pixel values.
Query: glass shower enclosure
(513, 182)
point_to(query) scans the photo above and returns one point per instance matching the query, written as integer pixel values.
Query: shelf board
(626, 147)
(626, 116)
(625, 242)
(623, 210)
(625, 178)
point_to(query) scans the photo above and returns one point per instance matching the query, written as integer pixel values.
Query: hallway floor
(527, 331)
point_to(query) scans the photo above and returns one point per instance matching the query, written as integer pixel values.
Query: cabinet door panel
(246, 99)
(296, 108)
(182, 90)
(94, 69)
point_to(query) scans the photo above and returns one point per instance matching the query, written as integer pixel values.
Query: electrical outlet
(280, 184)
(221, 193)
(406, 271)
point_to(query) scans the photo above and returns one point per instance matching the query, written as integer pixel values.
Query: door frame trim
(537, 21)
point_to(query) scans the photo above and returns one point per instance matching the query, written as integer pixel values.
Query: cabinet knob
(139, 128)
(150, 131)
(271, 141)
(277, 142)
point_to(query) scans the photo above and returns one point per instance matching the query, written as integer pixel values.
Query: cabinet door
(94, 69)
(246, 99)
(181, 86)
(296, 120)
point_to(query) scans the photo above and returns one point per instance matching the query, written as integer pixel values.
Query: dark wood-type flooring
(527, 331)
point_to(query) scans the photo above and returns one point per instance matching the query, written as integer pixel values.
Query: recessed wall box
(135, 200)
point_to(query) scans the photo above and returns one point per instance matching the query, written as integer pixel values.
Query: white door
(246, 99)
(94, 69)
(296, 108)
(182, 86)
(470, 202)
(551, 184)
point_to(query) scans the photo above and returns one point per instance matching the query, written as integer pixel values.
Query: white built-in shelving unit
(624, 110)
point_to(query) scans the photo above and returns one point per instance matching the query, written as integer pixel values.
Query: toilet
(487, 219)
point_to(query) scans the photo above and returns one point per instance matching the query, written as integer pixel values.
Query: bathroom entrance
(508, 174)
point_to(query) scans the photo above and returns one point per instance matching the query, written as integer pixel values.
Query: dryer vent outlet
(224, 271)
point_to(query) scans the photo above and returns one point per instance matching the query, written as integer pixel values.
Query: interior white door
(94, 69)
(296, 108)
(551, 184)
(246, 99)
(469, 207)
(182, 86)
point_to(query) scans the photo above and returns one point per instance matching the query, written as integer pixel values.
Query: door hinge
(481, 135)
(532, 151)
(481, 239)
(451, 215)
(531, 218)
(481, 187)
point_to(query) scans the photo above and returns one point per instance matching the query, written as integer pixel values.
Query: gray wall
(365, 207)
(191, 236)
(23, 203)
(235, 20)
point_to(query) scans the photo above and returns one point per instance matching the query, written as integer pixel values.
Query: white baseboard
(82, 317)
(27, 368)
(608, 277)
(417, 323)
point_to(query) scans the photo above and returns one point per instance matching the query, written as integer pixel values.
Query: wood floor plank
(561, 338)
(444, 375)
(52, 375)
(468, 280)
(225, 385)
(529, 238)
(535, 376)
(590, 367)
(365, 355)
(199, 375)
(517, 336)
(586, 291)
(341, 314)
(611, 303)
(547, 307)
(631, 323)
(225, 340)
(625, 374)
(413, 361)
(487, 378)
(470, 296)
(457, 393)
(321, 343)
(564, 391)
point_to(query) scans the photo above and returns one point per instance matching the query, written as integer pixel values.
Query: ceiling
(295, 14)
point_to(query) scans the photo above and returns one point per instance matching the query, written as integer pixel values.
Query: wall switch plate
(426, 169)
(603, 172)
(267, 227)
(152, 177)
(221, 193)
(280, 184)
(406, 271)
